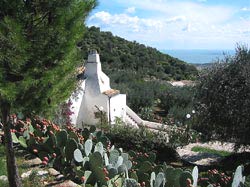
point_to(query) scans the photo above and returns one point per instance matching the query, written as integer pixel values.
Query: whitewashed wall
(118, 107)
(92, 96)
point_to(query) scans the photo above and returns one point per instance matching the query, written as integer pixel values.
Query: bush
(142, 140)
(224, 99)
(180, 98)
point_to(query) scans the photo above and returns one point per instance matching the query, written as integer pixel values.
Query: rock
(59, 177)
(53, 172)
(42, 173)
(67, 183)
(33, 162)
(38, 173)
(3, 178)
(26, 174)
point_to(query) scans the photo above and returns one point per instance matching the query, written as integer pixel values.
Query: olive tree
(223, 99)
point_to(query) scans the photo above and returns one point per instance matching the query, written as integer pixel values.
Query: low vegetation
(32, 181)
(211, 151)
(88, 157)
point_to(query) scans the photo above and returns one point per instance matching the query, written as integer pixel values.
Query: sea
(199, 56)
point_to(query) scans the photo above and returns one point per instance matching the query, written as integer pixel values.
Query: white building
(96, 95)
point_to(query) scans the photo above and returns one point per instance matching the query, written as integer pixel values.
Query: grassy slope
(212, 151)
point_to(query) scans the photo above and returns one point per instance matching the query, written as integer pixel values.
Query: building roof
(80, 70)
(111, 92)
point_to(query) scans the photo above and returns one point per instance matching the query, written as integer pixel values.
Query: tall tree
(38, 56)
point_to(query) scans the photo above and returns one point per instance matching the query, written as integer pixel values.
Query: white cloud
(175, 19)
(191, 10)
(187, 28)
(175, 24)
(245, 9)
(126, 21)
(105, 17)
(130, 10)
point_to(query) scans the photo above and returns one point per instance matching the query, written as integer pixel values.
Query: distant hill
(120, 57)
(203, 66)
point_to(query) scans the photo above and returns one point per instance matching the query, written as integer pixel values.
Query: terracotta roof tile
(111, 92)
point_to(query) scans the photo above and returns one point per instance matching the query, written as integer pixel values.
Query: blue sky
(176, 24)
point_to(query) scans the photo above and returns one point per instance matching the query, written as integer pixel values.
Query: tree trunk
(13, 176)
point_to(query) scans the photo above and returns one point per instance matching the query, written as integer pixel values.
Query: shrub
(143, 140)
(223, 97)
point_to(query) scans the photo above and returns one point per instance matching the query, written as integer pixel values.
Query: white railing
(134, 116)
(140, 122)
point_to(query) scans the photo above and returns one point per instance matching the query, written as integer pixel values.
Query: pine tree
(38, 56)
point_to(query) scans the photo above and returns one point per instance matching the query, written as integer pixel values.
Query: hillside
(141, 72)
(121, 57)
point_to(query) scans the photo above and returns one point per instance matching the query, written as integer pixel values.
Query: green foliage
(223, 99)
(38, 59)
(70, 147)
(142, 140)
(38, 53)
(147, 114)
(177, 102)
(184, 177)
(213, 177)
(179, 136)
(209, 150)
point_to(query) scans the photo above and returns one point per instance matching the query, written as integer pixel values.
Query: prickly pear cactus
(106, 159)
(172, 176)
(152, 179)
(160, 180)
(87, 174)
(50, 143)
(92, 129)
(73, 136)
(14, 138)
(113, 157)
(88, 147)
(238, 178)
(130, 183)
(96, 165)
(126, 160)
(22, 142)
(122, 168)
(61, 138)
(78, 155)
(70, 147)
(119, 162)
(145, 167)
(195, 174)
(183, 178)
(99, 148)
(152, 157)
